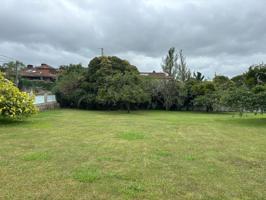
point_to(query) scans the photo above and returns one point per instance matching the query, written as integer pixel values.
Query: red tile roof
(157, 75)
(40, 71)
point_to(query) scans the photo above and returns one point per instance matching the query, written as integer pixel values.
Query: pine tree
(169, 64)
(183, 72)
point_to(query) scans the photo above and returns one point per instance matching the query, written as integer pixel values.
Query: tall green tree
(169, 65)
(70, 84)
(238, 99)
(256, 75)
(115, 82)
(122, 88)
(259, 99)
(205, 96)
(183, 72)
(222, 82)
(168, 90)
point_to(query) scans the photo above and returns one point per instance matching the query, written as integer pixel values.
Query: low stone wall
(47, 106)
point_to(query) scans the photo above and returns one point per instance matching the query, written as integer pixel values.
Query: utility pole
(16, 65)
(102, 51)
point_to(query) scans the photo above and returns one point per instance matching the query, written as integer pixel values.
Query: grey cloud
(217, 36)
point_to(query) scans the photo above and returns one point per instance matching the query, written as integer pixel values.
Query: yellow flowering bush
(14, 104)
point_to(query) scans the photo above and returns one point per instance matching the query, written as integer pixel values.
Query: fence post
(45, 98)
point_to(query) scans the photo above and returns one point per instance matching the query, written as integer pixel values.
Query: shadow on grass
(121, 112)
(142, 112)
(250, 122)
(206, 113)
(40, 118)
(105, 112)
(9, 122)
(145, 112)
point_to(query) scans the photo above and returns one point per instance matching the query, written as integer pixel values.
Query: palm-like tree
(198, 76)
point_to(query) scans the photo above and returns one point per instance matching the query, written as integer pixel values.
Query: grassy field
(71, 154)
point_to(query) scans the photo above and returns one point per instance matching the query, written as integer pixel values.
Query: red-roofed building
(155, 75)
(44, 72)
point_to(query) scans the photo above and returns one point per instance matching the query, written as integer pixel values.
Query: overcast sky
(222, 36)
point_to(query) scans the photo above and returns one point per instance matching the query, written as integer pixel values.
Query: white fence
(41, 99)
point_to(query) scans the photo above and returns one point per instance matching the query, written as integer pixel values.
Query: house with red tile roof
(44, 72)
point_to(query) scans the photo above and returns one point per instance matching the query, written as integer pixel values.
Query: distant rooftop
(40, 72)
(154, 74)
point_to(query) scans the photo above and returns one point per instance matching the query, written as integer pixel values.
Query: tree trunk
(241, 113)
(128, 107)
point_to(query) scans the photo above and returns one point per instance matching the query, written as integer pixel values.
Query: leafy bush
(109, 82)
(36, 84)
(13, 103)
(69, 86)
(112, 83)
(238, 99)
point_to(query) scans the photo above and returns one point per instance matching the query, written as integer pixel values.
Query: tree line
(112, 83)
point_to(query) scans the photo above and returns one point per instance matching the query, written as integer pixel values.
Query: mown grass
(71, 154)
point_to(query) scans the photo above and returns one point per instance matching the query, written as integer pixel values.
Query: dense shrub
(14, 104)
(108, 83)
(69, 86)
(112, 83)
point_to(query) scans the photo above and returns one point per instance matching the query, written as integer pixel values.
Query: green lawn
(71, 154)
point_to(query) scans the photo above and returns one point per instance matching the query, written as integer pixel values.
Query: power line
(16, 67)
(3, 59)
(7, 57)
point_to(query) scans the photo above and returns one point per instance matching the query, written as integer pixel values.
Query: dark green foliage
(238, 99)
(69, 85)
(112, 83)
(198, 76)
(239, 80)
(175, 65)
(170, 93)
(108, 83)
(153, 89)
(206, 95)
(36, 84)
(222, 82)
(259, 98)
(256, 75)
(170, 65)
(250, 90)
(123, 89)
(183, 72)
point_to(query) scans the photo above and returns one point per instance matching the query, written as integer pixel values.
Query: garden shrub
(14, 104)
